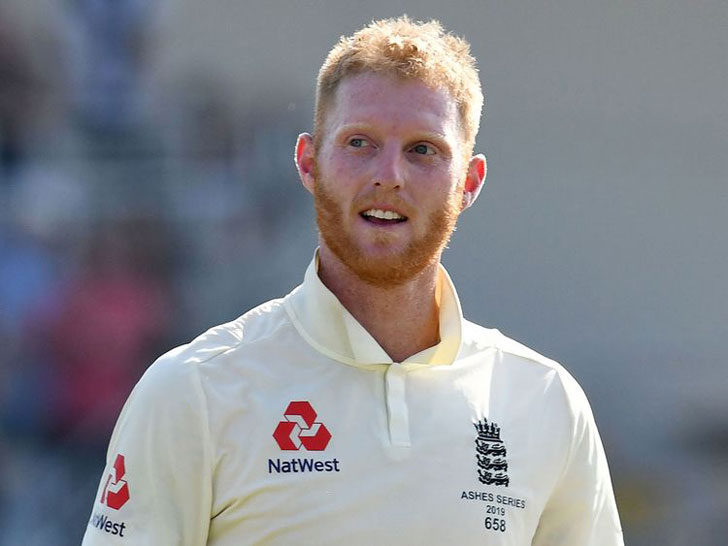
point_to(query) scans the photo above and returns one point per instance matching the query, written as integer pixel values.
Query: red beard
(394, 268)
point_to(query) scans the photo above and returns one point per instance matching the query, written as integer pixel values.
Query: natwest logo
(301, 429)
(116, 490)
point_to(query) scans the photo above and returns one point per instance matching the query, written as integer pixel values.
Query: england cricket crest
(490, 452)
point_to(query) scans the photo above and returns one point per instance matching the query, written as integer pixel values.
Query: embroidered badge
(490, 452)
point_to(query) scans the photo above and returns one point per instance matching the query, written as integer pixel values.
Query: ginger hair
(406, 49)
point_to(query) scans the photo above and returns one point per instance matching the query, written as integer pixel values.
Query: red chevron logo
(301, 429)
(116, 490)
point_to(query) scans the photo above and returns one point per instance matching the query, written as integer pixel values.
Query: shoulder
(180, 366)
(259, 323)
(523, 364)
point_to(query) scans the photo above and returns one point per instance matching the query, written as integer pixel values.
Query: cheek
(435, 185)
(339, 173)
(346, 178)
(349, 169)
(332, 184)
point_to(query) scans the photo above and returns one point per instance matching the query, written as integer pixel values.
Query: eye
(358, 142)
(423, 149)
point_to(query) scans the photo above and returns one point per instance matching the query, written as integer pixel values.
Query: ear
(305, 159)
(474, 179)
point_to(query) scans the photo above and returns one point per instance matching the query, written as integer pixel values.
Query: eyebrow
(421, 135)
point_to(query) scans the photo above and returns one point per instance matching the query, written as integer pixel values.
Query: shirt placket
(397, 412)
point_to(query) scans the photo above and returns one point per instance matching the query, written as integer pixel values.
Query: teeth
(383, 214)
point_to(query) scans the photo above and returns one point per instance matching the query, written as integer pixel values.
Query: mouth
(381, 217)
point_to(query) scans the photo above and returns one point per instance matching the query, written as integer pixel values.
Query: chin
(383, 267)
(381, 258)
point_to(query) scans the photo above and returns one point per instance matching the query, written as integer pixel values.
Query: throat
(403, 318)
(402, 325)
(402, 344)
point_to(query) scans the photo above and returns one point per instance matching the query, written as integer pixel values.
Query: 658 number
(495, 524)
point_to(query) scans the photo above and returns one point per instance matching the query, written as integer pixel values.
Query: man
(363, 408)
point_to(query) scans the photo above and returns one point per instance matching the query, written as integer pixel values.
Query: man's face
(388, 176)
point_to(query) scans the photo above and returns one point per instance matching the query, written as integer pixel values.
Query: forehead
(392, 103)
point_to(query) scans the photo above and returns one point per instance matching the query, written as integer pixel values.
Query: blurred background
(148, 192)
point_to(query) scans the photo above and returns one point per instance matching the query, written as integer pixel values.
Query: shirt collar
(327, 326)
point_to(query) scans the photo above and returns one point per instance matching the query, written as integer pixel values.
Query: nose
(389, 169)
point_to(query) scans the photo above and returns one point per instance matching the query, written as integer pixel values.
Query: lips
(382, 217)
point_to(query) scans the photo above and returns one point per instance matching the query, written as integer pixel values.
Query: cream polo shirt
(291, 425)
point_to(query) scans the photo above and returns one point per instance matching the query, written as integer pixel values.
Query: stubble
(390, 268)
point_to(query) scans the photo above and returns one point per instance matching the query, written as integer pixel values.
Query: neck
(403, 319)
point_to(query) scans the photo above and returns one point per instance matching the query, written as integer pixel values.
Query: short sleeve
(581, 510)
(156, 487)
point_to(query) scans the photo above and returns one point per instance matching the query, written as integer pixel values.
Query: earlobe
(304, 158)
(466, 200)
